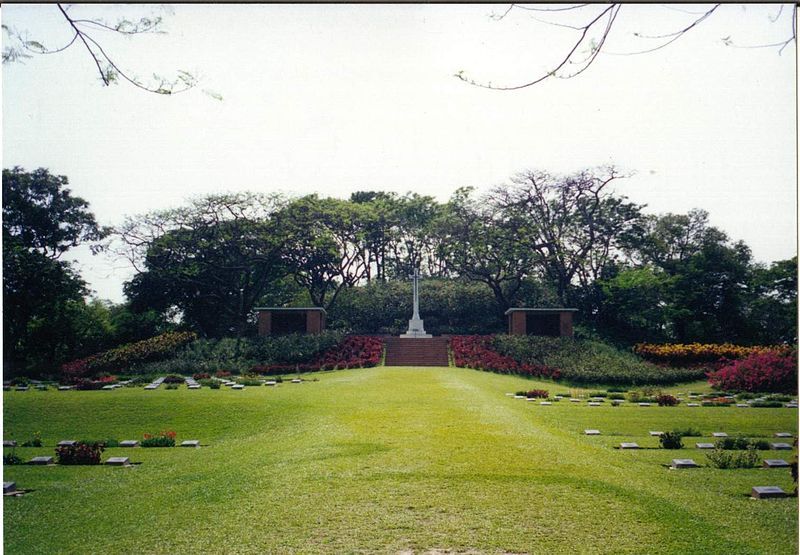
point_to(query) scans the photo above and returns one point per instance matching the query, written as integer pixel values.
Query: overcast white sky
(339, 98)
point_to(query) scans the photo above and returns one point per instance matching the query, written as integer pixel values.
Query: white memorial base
(416, 330)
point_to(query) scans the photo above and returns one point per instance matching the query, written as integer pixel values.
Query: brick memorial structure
(281, 321)
(552, 322)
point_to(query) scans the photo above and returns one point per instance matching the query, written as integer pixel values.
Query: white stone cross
(416, 327)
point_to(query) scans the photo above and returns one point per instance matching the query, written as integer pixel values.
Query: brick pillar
(565, 322)
(314, 324)
(264, 323)
(517, 323)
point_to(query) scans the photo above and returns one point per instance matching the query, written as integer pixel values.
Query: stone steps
(416, 352)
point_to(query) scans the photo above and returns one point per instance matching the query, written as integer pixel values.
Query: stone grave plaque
(790, 405)
(41, 460)
(683, 463)
(531, 399)
(22, 388)
(41, 387)
(719, 434)
(704, 445)
(783, 434)
(64, 388)
(545, 403)
(191, 443)
(558, 397)
(507, 394)
(129, 443)
(108, 387)
(118, 461)
(593, 404)
(151, 386)
(767, 492)
(237, 386)
(194, 386)
(574, 400)
(66, 443)
(9, 487)
(297, 380)
(9, 443)
(692, 404)
(592, 432)
(743, 405)
(656, 434)
(644, 404)
(597, 399)
(273, 382)
(781, 446)
(515, 396)
(630, 445)
(775, 463)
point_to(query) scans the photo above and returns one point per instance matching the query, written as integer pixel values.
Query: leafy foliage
(671, 440)
(720, 458)
(695, 353)
(80, 453)
(587, 361)
(478, 352)
(164, 438)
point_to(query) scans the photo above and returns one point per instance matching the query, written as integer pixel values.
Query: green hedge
(585, 361)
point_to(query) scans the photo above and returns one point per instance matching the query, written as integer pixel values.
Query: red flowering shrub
(475, 351)
(80, 453)
(85, 384)
(356, 351)
(665, 400)
(768, 371)
(222, 374)
(202, 376)
(164, 438)
(537, 394)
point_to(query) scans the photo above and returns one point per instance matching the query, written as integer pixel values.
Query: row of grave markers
(598, 401)
(191, 383)
(758, 492)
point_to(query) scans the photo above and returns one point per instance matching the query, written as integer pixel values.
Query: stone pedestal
(416, 329)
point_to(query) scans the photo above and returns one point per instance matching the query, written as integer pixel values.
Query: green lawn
(387, 460)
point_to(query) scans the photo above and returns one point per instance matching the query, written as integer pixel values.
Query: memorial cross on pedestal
(416, 328)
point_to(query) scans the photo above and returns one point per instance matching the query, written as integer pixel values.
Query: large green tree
(42, 295)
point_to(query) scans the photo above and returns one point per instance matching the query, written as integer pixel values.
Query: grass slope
(386, 460)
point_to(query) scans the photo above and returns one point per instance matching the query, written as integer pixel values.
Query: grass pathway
(386, 460)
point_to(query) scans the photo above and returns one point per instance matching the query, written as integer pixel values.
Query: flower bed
(768, 371)
(124, 356)
(678, 354)
(356, 351)
(476, 351)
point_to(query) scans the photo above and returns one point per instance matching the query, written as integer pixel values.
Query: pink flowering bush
(475, 351)
(768, 371)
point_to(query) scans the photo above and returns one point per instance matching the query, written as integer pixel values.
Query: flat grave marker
(237, 386)
(129, 443)
(297, 380)
(41, 460)
(781, 446)
(644, 404)
(783, 434)
(118, 461)
(64, 387)
(628, 445)
(719, 434)
(683, 463)
(9, 443)
(592, 432)
(519, 397)
(66, 443)
(704, 445)
(743, 405)
(273, 382)
(594, 404)
(692, 404)
(767, 492)
(545, 403)
(22, 388)
(656, 434)
(194, 386)
(574, 400)
(191, 443)
(775, 463)
(9, 487)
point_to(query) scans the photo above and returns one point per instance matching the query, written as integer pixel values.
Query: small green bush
(766, 404)
(671, 440)
(720, 458)
(688, 432)
(11, 459)
(171, 386)
(110, 442)
(161, 439)
(616, 396)
(35, 441)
